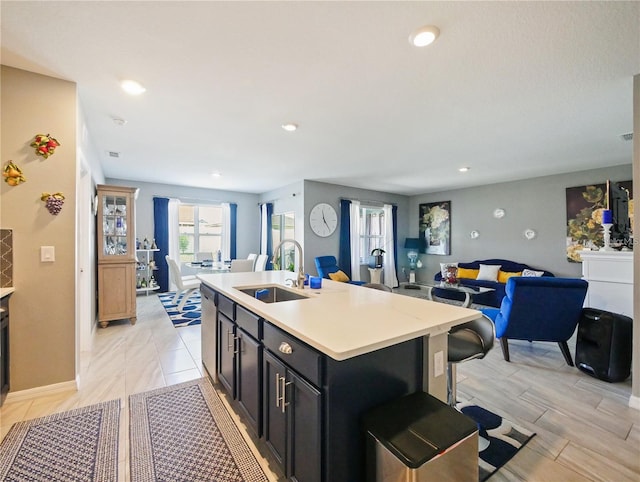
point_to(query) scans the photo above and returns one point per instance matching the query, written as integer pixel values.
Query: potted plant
(377, 254)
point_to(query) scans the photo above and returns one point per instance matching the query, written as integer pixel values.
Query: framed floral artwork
(435, 227)
(584, 217)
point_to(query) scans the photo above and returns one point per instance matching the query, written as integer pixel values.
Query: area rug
(184, 433)
(191, 313)
(500, 439)
(77, 445)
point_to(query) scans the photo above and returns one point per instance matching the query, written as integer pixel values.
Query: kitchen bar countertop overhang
(342, 320)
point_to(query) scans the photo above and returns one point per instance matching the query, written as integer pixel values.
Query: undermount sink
(271, 293)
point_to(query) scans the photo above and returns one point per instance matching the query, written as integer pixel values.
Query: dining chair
(241, 265)
(261, 262)
(253, 257)
(185, 285)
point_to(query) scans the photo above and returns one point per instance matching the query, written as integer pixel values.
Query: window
(371, 231)
(282, 227)
(200, 230)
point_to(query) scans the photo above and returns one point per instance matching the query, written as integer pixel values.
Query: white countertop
(6, 291)
(343, 320)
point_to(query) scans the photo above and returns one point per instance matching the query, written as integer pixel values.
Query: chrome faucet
(299, 283)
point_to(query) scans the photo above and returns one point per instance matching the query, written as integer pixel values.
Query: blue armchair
(329, 264)
(539, 309)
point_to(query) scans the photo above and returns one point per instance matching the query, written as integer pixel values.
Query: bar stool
(466, 342)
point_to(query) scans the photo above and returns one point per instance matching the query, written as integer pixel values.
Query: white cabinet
(145, 267)
(610, 277)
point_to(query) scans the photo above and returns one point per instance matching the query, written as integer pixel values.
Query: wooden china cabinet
(115, 224)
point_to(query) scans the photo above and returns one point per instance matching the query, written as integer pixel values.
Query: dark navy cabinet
(304, 406)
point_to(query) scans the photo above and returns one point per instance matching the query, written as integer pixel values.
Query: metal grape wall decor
(53, 202)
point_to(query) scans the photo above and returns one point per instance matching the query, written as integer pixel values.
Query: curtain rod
(190, 199)
(366, 201)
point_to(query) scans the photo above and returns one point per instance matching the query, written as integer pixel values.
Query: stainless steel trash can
(418, 438)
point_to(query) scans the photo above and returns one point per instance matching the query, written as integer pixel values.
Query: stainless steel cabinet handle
(238, 344)
(285, 384)
(285, 348)
(277, 389)
(229, 343)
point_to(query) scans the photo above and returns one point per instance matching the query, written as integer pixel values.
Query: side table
(376, 275)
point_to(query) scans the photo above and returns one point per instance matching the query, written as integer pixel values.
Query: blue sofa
(492, 298)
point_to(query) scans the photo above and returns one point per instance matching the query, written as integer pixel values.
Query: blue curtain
(269, 233)
(344, 252)
(233, 211)
(161, 235)
(394, 213)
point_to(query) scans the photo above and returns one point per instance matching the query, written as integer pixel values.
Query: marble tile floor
(585, 430)
(125, 360)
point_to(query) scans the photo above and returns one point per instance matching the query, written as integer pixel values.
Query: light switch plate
(47, 254)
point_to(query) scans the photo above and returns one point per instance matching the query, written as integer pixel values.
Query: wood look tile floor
(585, 429)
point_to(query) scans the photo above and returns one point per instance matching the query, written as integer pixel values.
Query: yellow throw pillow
(339, 276)
(468, 273)
(503, 276)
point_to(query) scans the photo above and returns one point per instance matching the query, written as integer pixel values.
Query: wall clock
(323, 219)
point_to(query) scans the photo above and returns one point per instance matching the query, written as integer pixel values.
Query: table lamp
(413, 245)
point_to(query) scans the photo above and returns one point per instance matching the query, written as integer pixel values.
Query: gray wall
(538, 203)
(248, 239)
(316, 192)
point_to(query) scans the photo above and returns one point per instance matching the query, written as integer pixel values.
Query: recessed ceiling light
(464, 169)
(424, 36)
(132, 87)
(216, 174)
(290, 127)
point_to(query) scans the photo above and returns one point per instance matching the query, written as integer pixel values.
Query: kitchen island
(302, 372)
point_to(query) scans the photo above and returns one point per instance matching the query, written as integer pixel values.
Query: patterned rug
(184, 433)
(77, 445)
(500, 439)
(191, 313)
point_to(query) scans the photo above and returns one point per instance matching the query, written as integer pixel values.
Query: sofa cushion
(530, 272)
(467, 273)
(503, 276)
(488, 272)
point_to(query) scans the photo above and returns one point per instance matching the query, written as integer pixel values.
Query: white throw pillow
(530, 272)
(489, 272)
(444, 266)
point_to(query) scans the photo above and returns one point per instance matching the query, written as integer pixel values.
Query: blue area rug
(191, 313)
(79, 445)
(500, 439)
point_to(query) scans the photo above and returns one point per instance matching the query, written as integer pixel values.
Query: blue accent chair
(539, 309)
(329, 264)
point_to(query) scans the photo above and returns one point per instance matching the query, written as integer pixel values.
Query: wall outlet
(438, 364)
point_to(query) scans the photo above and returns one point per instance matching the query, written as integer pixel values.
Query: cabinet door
(305, 426)
(117, 292)
(275, 418)
(116, 223)
(208, 331)
(248, 389)
(226, 353)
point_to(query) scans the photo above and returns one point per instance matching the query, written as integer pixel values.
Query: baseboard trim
(36, 392)
(634, 402)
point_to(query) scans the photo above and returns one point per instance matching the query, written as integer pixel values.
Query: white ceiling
(510, 89)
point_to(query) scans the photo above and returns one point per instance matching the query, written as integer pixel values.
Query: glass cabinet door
(115, 224)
